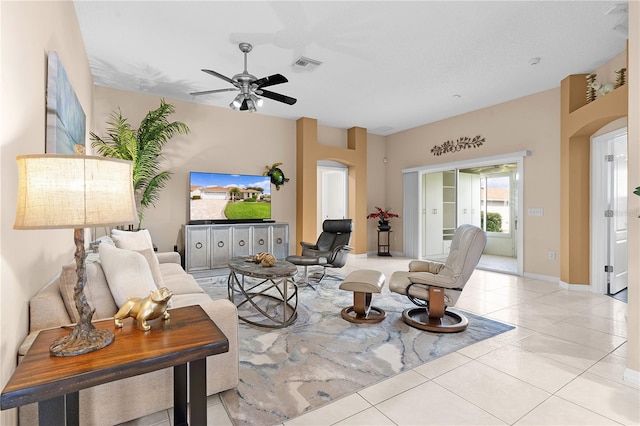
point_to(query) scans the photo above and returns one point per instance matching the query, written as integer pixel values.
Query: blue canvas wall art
(66, 122)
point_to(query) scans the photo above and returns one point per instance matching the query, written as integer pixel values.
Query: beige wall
(30, 259)
(529, 123)
(221, 140)
(376, 171)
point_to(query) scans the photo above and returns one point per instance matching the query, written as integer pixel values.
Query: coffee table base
(256, 299)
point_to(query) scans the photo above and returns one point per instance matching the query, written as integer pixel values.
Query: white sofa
(137, 396)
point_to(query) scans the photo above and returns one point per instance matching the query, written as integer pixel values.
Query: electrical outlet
(536, 212)
(552, 255)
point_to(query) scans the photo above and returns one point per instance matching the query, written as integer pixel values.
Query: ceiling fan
(249, 86)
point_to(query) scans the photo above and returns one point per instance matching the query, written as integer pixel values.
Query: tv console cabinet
(211, 246)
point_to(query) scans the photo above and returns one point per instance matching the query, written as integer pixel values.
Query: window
(494, 202)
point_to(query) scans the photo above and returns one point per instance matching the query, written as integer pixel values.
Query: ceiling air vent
(382, 130)
(306, 64)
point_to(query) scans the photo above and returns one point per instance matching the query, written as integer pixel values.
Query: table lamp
(74, 191)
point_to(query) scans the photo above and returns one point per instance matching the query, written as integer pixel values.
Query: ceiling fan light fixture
(237, 102)
(249, 87)
(251, 106)
(258, 102)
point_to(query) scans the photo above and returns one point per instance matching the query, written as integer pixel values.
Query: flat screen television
(225, 197)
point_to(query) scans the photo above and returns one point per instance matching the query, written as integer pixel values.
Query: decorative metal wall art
(460, 144)
(620, 77)
(276, 174)
(591, 91)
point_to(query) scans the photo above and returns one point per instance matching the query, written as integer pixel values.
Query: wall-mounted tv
(225, 197)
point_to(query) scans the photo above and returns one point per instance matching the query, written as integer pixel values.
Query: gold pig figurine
(143, 309)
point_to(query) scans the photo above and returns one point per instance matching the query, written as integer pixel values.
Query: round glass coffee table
(265, 296)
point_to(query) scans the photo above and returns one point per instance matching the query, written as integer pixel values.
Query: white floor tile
(576, 301)
(544, 373)
(605, 325)
(612, 367)
(498, 393)
(439, 366)
(368, 417)
(584, 336)
(531, 315)
(570, 353)
(605, 397)
(333, 412)
(611, 309)
(480, 306)
(217, 415)
(431, 404)
(392, 386)
(557, 411)
(481, 348)
(539, 286)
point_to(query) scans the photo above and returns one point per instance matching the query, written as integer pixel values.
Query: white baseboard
(575, 287)
(631, 376)
(358, 256)
(541, 277)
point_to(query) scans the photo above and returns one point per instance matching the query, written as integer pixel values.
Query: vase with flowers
(383, 216)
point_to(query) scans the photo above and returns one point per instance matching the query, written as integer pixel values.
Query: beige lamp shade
(73, 191)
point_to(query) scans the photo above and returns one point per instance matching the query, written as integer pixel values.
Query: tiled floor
(562, 365)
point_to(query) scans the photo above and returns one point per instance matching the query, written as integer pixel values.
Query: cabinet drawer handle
(241, 243)
(279, 240)
(220, 243)
(261, 241)
(198, 245)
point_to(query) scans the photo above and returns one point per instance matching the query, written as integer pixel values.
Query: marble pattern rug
(321, 357)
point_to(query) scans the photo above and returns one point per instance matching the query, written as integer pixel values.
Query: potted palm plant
(143, 147)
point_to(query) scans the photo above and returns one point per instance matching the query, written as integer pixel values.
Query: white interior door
(609, 212)
(618, 223)
(432, 214)
(332, 191)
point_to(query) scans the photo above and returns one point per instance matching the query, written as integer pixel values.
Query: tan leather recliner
(434, 286)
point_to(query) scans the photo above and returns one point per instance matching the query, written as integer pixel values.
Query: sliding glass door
(483, 196)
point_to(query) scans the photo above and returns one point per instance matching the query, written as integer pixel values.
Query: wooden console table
(187, 338)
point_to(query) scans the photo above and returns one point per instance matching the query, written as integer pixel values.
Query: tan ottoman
(363, 283)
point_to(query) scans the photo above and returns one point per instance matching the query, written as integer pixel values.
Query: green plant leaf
(143, 147)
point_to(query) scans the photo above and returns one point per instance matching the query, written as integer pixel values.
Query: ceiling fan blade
(223, 77)
(270, 80)
(244, 106)
(206, 92)
(278, 97)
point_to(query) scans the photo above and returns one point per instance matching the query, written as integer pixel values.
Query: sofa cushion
(183, 284)
(96, 290)
(180, 300)
(154, 266)
(128, 274)
(140, 241)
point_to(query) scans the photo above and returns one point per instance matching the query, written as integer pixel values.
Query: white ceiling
(386, 65)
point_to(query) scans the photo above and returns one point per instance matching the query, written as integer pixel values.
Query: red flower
(381, 214)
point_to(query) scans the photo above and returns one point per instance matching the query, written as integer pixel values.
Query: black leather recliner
(330, 251)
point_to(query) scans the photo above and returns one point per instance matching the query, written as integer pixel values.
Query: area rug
(321, 357)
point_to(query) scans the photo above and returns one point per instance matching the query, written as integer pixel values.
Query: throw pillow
(154, 266)
(127, 272)
(96, 290)
(139, 241)
(129, 240)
